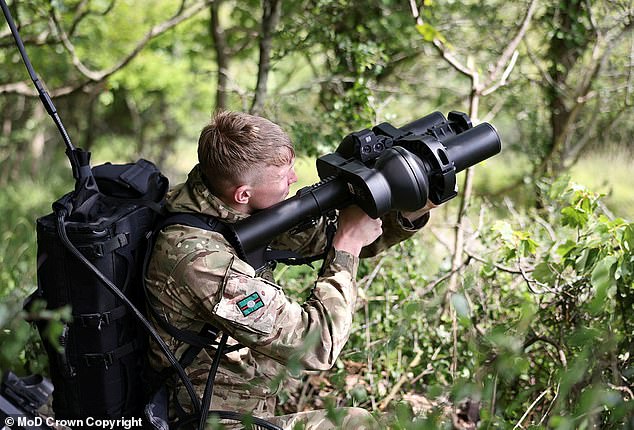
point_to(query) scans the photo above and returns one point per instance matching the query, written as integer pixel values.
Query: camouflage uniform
(194, 277)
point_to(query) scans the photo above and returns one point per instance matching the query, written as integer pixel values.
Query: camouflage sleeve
(259, 315)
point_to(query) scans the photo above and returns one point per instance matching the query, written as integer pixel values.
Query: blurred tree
(270, 19)
(234, 31)
(585, 65)
(140, 78)
(222, 57)
(118, 91)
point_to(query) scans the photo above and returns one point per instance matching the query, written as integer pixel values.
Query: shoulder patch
(250, 304)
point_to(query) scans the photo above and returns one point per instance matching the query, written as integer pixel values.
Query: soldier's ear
(242, 194)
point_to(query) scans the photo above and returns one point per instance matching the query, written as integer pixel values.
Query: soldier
(246, 164)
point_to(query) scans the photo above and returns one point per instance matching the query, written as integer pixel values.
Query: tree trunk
(222, 58)
(564, 50)
(271, 11)
(38, 141)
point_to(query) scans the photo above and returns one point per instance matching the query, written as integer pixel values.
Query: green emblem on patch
(250, 304)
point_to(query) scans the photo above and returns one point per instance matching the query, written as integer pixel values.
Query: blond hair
(234, 147)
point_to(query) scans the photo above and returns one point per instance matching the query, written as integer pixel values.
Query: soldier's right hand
(355, 230)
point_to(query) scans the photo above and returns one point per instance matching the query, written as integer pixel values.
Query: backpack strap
(206, 337)
(201, 221)
(259, 259)
(208, 334)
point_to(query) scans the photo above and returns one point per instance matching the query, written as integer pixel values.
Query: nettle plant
(577, 263)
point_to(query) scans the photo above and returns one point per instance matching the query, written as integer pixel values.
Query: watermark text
(102, 423)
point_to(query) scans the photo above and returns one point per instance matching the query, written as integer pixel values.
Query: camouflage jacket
(194, 277)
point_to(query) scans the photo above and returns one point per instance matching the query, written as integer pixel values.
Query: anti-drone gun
(380, 170)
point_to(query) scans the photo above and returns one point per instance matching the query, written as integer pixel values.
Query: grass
(609, 174)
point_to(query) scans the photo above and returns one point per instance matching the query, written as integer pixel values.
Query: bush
(539, 330)
(20, 204)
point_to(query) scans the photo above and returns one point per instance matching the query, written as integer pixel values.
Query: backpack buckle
(99, 359)
(95, 320)
(99, 249)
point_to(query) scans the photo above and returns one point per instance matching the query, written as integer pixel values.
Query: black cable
(209, 390)
(236, 416)
(209, 386)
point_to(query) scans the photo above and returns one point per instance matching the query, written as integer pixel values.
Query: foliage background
(520, 293)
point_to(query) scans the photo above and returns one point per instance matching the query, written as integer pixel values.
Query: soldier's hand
(355, 230)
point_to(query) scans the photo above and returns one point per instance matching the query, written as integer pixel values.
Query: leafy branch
(97, 76)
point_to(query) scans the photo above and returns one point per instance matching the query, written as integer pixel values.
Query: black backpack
(92, 251)
(99, 371)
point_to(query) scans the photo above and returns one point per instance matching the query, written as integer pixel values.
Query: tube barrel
(261, 228)
(473, 146)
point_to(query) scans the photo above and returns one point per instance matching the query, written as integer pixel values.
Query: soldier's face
(272, 186)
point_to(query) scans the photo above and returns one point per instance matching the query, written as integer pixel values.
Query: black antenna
(78, 159)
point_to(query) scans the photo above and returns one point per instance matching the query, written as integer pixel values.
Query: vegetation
(519, 296)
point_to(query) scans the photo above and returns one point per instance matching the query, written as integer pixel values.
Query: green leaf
(429, 32)
(574, 217)
(488, 270)
(566, 249)
(559, 187)
(527, 245)
(359, 394)
(504, 229)
(628, 238)
(543, 273)
(461, 305)
(602, 280)
(587, 259)
(601, 275)
(627, 267)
